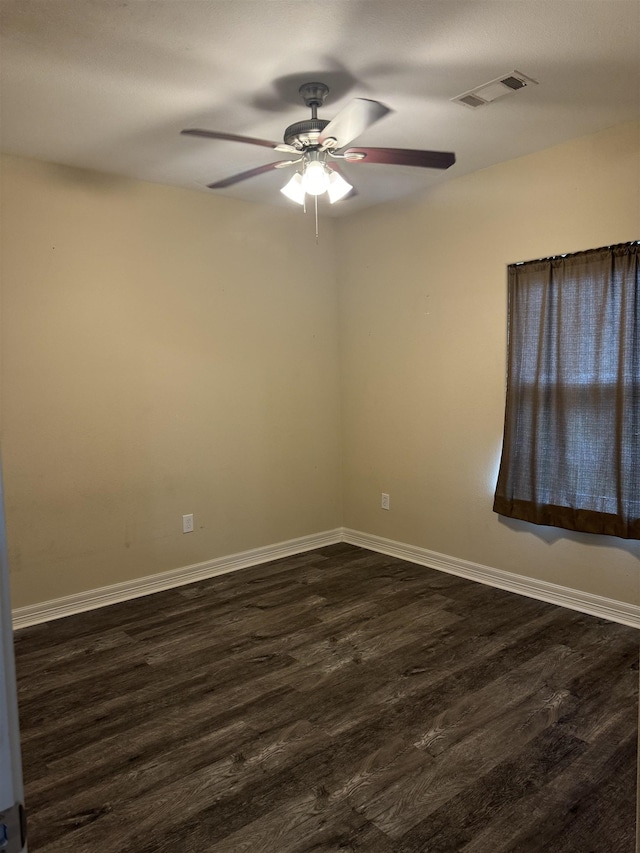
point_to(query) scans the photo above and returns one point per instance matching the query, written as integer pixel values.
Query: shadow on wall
(71, 176)
(551, 535)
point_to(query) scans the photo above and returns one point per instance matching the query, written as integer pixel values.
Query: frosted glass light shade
(294, 189)
(315, 179)
(338, 187)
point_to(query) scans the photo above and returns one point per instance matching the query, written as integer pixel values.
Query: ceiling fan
(319, 145)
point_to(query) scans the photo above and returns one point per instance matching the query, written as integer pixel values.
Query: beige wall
(423, 337)
(163, 352)
(167, 351)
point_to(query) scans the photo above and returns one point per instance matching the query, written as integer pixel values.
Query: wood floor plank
(478, 709)
(549, 809)
(405, 799)
(471, 811)
(339, 700)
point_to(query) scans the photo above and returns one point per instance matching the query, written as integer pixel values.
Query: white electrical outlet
(385, 502)
(187, 523)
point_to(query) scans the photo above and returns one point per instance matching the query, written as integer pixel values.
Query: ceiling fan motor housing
(304, 134)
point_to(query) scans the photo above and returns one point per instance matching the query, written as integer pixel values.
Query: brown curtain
(571, 450)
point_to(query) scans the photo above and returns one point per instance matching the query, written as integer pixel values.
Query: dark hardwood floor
(339, 700)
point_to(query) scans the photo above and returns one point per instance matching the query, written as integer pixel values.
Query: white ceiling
(109, 84)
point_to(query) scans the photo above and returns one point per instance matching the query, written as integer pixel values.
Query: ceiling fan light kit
(316, 142)
(314, 183)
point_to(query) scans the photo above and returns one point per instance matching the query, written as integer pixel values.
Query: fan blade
(350, 122)
(230, 137)
(401, 157)
(250, 173)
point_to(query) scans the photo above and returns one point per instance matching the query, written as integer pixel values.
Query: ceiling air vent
(471, 100)
(513, 82)
(494, 89)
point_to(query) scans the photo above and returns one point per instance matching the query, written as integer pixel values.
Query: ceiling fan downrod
(304, 134)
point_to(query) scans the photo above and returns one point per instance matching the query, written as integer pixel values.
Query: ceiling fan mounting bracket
(314, 94)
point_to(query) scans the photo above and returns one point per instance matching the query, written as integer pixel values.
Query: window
(571, 450)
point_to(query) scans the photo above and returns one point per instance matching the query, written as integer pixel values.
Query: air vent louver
(513, 82)
(472, 101)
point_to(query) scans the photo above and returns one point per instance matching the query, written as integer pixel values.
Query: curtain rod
(570, 254)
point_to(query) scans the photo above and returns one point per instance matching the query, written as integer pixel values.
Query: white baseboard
(585, 602)
(574, 599)
(33, 614)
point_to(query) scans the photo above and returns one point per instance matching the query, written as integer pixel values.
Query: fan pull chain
(316, 201)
